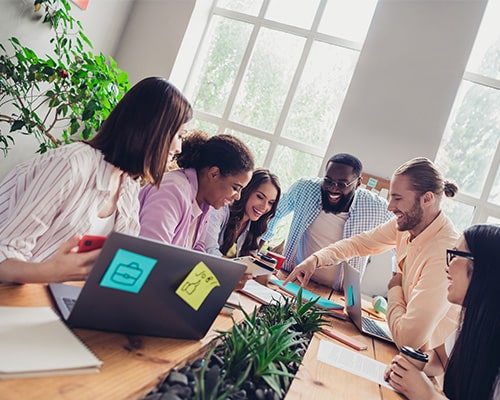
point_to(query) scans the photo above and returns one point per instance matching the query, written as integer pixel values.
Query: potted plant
(257, 359)
(55, 97)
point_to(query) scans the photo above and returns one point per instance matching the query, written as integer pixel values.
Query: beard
(411, 218)
(342, 204)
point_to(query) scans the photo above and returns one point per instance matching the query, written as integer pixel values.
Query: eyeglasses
(328, 183)
(452, 253)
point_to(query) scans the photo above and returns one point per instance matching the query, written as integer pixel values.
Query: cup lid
(415, 354)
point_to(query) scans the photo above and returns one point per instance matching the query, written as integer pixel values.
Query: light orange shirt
(419, 314)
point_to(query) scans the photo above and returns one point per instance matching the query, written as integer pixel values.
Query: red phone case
(90, 242)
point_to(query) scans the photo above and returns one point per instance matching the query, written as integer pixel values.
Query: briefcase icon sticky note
(128, 271)
(126, 274)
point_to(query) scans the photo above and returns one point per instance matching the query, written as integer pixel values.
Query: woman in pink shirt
(88, 187)
(213, 171)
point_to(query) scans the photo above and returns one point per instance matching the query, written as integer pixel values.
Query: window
(275, 73)
(469, 152)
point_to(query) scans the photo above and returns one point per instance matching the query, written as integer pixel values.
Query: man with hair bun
(418, 313)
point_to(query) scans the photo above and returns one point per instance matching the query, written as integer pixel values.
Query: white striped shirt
(47, 200)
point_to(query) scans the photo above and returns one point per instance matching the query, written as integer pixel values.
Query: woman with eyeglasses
(472, 369)
(212, 172)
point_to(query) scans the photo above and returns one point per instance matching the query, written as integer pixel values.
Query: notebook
(352, 294)
(144, 287)
(35, 342)
(262, 293)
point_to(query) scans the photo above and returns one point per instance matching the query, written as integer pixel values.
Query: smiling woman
(235, 230)
(213, 171)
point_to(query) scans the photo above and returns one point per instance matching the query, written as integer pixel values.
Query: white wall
(405, 81)
(151, 40)
(103, 22)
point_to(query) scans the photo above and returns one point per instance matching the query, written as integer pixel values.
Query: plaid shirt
(367, 211)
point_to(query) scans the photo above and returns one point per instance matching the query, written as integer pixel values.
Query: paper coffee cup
(418, 358)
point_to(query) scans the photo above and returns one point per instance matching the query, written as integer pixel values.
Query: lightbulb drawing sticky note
(196, 287)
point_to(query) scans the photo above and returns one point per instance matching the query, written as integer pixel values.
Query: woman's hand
(303, 271)
(408, 380)
(68, 265)
(65, 265)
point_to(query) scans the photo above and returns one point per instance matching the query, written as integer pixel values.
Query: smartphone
(90, 242)
(267, 258)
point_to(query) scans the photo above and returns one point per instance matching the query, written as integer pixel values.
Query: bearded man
(326, 211)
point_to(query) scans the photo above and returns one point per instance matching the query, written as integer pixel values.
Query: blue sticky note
(293, 288)
(128, 271)
(350, 297)
(372, 182)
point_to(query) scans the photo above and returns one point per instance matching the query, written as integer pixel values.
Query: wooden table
(133, 365)
(317, 380)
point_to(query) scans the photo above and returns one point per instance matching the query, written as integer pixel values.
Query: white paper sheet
(353, 362)
(262, 293)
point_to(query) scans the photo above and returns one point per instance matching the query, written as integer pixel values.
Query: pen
(344, 339)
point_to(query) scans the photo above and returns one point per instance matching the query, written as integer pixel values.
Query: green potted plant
(257, 359)
(59, 96)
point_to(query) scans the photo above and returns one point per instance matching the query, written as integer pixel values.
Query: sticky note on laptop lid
(350, 296)
(196, 287)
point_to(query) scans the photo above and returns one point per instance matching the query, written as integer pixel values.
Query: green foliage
(72, 91)
(261, 349)
(264, 351)
(205, 392)
(305, 318)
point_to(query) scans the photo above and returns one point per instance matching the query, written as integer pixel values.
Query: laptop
(352, 295)
(143, 287)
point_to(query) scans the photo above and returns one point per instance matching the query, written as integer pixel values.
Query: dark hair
(475, 360)
(137, 135)
(227, 152)
(347, 159)
(257, 228)
(425, 177)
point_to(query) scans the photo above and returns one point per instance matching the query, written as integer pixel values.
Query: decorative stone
(198, 364)
(177, 377)
(170, 396)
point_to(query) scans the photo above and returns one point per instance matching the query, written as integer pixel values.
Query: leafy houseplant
(67, 93)
(257, 359)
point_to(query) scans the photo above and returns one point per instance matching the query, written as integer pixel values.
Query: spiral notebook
(35, 342)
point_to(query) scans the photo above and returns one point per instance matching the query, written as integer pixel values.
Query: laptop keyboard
(369, 325)
(69, 302)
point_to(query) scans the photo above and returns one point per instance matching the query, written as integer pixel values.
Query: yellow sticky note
(197, 285)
